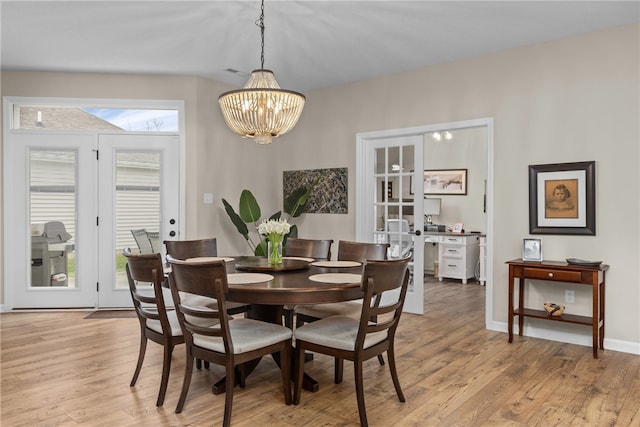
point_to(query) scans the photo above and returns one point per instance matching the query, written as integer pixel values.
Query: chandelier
(261, 110)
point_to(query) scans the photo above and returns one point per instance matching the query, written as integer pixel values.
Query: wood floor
(60, 369)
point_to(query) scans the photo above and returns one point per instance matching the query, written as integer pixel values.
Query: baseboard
(569, 337)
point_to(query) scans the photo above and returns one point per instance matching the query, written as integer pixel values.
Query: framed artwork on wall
(445, 181)
(562, 198)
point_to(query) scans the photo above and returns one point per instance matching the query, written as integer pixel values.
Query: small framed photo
(458, 227)
(532, 250)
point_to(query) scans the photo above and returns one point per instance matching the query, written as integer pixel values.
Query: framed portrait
(445, 181)
(532, 250)
(562, 198)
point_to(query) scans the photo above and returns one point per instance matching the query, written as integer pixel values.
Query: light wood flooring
(60, 369)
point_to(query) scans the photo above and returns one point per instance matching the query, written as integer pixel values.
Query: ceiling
(308, 44)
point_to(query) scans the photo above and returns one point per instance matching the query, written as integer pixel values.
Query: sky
(138, 120)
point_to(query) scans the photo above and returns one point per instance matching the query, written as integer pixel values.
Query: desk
(458, 254)
(288, 287)
(556, 271)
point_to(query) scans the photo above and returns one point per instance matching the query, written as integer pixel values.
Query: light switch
(208, 198)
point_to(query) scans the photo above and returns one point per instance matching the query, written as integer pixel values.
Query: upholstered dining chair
(317, 249)
(231, 341)
(208, 247)
(347, 251)
(185, 249)
(156, 322)
(359, 339)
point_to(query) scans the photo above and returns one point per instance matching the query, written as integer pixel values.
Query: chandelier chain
(260, 23)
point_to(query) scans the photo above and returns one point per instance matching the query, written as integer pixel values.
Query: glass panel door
(139, 204)
(53, 230)
(397, 214)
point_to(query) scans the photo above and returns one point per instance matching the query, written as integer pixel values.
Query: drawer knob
(550, 274)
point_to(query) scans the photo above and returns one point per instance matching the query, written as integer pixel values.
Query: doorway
(84, 193)
(456, 204)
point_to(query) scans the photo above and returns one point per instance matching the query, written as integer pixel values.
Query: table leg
(510, 317)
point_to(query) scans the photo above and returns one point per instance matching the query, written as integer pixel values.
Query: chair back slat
(203, 279)
(142, 270)
(320, 250)
(379, 277)
(361, 251)
(185, 249)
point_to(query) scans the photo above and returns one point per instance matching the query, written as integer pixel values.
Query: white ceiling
(308, 44)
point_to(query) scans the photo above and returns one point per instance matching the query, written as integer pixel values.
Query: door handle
(417, 232)
(172, 233)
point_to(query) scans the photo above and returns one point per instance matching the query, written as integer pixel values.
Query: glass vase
(274, 252)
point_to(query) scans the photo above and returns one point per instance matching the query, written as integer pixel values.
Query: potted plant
(249, 213)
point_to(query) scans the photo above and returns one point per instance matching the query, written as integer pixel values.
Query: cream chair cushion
(246, 335)
(155, 325)
(337, 332)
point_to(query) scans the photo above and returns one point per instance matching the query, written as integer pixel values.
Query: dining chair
(347, 251)
(359, 339)
(318, 249)
(156, 322)
(142, 240)
(186, 249)
(231, 341)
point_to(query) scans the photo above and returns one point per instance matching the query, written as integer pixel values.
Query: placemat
(336, 278)
(299, 258)
(336, 263)
(245, 278)
(208, 259)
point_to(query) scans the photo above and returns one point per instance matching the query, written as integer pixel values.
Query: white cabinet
(458, 256)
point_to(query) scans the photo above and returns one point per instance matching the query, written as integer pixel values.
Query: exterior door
(74, 197)
(138, 189)
(388, 211)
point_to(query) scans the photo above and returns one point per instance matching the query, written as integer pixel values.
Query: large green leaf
(261, 249)
(249, 208)
(237, 221)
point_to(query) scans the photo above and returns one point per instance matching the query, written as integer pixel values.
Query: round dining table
(267, 289)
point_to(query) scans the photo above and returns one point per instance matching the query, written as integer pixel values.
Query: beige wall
(575, 99)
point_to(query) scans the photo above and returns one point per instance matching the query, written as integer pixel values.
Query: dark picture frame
(562, 198)
(445, 181)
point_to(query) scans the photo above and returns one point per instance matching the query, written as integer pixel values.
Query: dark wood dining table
(291, 285)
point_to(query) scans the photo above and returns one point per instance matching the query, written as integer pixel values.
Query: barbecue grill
(49, 252)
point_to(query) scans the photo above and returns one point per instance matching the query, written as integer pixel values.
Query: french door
(75, 197)
(387, 209)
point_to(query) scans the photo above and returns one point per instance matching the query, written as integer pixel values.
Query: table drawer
(452, 252)
(452, 268)
(560, 275)
(453, 240)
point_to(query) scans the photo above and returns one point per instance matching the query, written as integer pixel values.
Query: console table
(559, 271)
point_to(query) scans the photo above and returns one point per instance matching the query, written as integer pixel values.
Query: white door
(387, 209)
(65, 221)
(138, 188)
